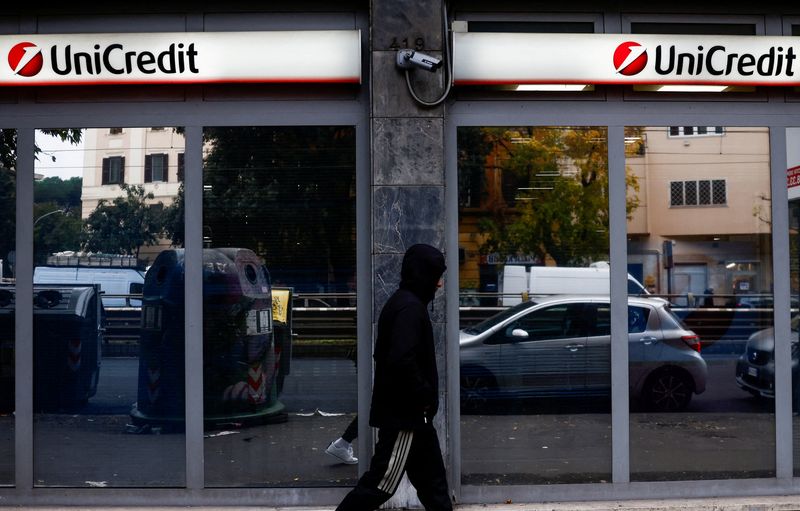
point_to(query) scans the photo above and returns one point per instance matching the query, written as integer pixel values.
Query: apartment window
(706, 192)
(114, 170)
(115, 131)
(696, 131)
(155, 168)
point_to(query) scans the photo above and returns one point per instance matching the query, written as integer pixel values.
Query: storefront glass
(108, 368)
(8, 215)
(535, 374)
(793, 183)
(279, 309)
(700, 238)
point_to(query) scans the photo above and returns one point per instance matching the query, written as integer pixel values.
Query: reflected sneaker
(342, 451)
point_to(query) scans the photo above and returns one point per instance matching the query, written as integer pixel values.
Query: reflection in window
(155, 167)
(715, 269)
(698, 193)
(279, 221)
(793, 192)
(113, 170)
(695, 131)
(8, 214)
(108, 378)
(533, 222)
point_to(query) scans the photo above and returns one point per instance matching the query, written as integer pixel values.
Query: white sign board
(321, 56)
(793, 162)
(512, 58)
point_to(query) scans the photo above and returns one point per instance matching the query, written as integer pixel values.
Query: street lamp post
(48, 214)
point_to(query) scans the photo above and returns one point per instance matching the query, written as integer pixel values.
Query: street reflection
(535, 376)
(701, 239)
(8, 214)
(279, 314)
(104, 209)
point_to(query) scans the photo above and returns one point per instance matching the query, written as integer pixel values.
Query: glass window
(793, 185)
(533, 226)
(108, 335)
(113, 170)
(156, 167)
(699, 407)
(8, 236)
(279, 311)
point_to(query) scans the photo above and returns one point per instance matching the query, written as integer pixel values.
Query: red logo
(630, 58)
(25, 59)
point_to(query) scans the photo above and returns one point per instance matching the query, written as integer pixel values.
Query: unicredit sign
(328, 56)
(510, 58)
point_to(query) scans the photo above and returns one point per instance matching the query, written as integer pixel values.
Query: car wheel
(477, 386)
(668, 390)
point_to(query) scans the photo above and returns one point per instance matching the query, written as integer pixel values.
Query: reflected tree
(8, 194)
(545, 193)
(288, 194)
(123, 225)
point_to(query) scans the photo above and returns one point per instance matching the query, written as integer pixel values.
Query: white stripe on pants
(397, 462)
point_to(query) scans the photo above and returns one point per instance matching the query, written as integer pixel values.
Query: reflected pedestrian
(405, 395)
(342, 447)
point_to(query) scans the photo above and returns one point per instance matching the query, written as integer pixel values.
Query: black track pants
(417, 453)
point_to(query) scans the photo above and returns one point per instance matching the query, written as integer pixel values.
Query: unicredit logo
(630, 58)
(25, 59)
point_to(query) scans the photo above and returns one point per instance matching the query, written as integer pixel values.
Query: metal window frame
(615, 114)
(193, 112)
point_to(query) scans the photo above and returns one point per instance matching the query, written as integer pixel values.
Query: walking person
(405, 394)
(342, 447)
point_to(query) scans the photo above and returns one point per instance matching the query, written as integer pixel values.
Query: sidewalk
(782, 503)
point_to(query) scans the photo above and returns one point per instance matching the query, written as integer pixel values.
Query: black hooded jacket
(405, 393)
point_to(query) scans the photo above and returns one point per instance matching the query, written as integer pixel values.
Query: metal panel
(784, 453)
(23, 343)
(620, 420)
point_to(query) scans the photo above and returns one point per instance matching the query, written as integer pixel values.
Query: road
(725, 433)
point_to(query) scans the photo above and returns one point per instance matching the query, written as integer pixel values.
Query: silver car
(755, 369)
(561, 347)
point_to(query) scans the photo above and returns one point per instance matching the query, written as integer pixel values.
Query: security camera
(410, 59)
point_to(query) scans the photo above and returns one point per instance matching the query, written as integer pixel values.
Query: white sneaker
(343, 454)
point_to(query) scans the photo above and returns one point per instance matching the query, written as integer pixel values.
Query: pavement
(779, 503)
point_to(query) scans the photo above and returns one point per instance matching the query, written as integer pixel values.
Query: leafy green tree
(173, 218)
(554, 200)
(55, 229)
(8, 174)
(65, 193)
(123, 225)
(288, 194)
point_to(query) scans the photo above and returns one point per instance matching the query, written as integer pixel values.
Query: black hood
(423, 266)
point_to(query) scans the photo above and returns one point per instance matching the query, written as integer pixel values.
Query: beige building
(705, 194)
(150, 157)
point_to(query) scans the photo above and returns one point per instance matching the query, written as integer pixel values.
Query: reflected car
(755, 369)
(560, 347)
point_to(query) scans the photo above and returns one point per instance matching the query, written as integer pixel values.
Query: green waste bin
(240, 357)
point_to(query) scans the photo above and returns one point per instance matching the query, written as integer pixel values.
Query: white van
(518, 282)
(113, 281)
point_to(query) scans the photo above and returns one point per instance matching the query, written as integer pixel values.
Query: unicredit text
(717, 61)
(115, 60)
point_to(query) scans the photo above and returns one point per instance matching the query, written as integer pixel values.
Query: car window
(498, 318)
(556, 322)
(637, 320)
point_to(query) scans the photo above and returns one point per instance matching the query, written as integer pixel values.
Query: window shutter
(166, 167)
(106, 169)
(122, 169)
(180, 166)
(148, 168)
